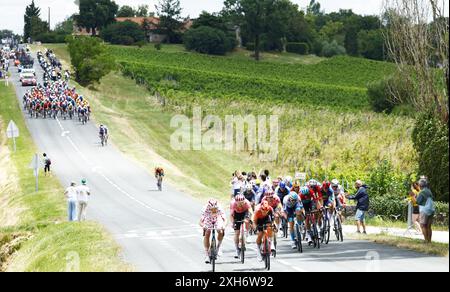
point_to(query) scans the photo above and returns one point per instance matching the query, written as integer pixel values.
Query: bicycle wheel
(284, 228)
(336, 228)
(339, 226)
(267, 254)
(242, 244)
(327, 230)
(316, 239)
(299, 238)
(213, 253)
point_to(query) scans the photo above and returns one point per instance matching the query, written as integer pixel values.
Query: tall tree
(252, 16)
(30, 11)
(126, 11)
(142, 11)
(96, 14)
(170, 24)
(420, 50)
(66, 26)
(313, 8)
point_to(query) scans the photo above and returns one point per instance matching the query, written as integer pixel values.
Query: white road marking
(63, 134)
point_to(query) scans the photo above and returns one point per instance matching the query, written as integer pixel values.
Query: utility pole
(49, 27)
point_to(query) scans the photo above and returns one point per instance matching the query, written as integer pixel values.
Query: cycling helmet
(312, 183)
(334, 182)
(212, 203)
(83, 181)
(326, 184)
(269, 193)
(258, 182)
(282, 185)
(239, 198)
(288, 179)
(304, 190)
(293, 196)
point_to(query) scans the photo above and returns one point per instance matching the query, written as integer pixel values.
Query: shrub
(89, 59)
(383, 180)
(430, 138)
(51, 37)
(140, 44)
(207, 40)
(250, 46)
(378, 93)
(332, 49)
(123, 33)
(158, 46)
(388, 92)
(388, 205)
(298, 48)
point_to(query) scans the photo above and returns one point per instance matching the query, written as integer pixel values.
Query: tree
(409, 20)
(66, 26)
(420, 50)
(95, 14)
(252, 16)
(124, 33)
(211, 20)
(371, 44)
(33, 24)
(142, 11)
(313, 8)
(330, 49)
(5, 33)
(89, 59)
(126, 11)
(208, 40)
(331, 30)
(170, 24)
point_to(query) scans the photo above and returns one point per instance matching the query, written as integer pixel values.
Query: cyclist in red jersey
(263, 216)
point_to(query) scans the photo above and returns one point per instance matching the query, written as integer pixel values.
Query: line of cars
(24, 63)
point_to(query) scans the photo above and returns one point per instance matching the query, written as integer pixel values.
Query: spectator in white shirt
(71, 196)
(83, 194)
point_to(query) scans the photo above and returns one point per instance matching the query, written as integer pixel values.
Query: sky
(12, 11)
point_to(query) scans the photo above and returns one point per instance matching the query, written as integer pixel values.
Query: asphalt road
(158, 231)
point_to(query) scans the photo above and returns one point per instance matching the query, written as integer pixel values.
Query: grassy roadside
(434, 248)
(33, 233)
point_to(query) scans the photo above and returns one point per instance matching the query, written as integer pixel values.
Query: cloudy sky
(11, 11)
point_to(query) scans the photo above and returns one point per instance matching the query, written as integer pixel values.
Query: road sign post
(12, 132)
(35, 166)
(300, 176)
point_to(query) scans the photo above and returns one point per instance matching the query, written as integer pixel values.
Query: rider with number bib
(310, 202)
(240, 210)
(275, 203)
(213, 217)
(263, 216)
(293, 208)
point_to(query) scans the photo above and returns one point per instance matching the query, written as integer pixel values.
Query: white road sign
(300, 175)
(12, 131)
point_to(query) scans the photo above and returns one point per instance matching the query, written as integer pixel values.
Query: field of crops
(338, 82)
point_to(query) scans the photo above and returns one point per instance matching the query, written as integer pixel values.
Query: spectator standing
(71, 196)
(47, 164)
(413, 194)
(426, 209)
(362, 205)
(83, 194)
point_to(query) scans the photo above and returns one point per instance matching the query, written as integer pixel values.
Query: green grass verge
(434, 248)
(40, 213)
